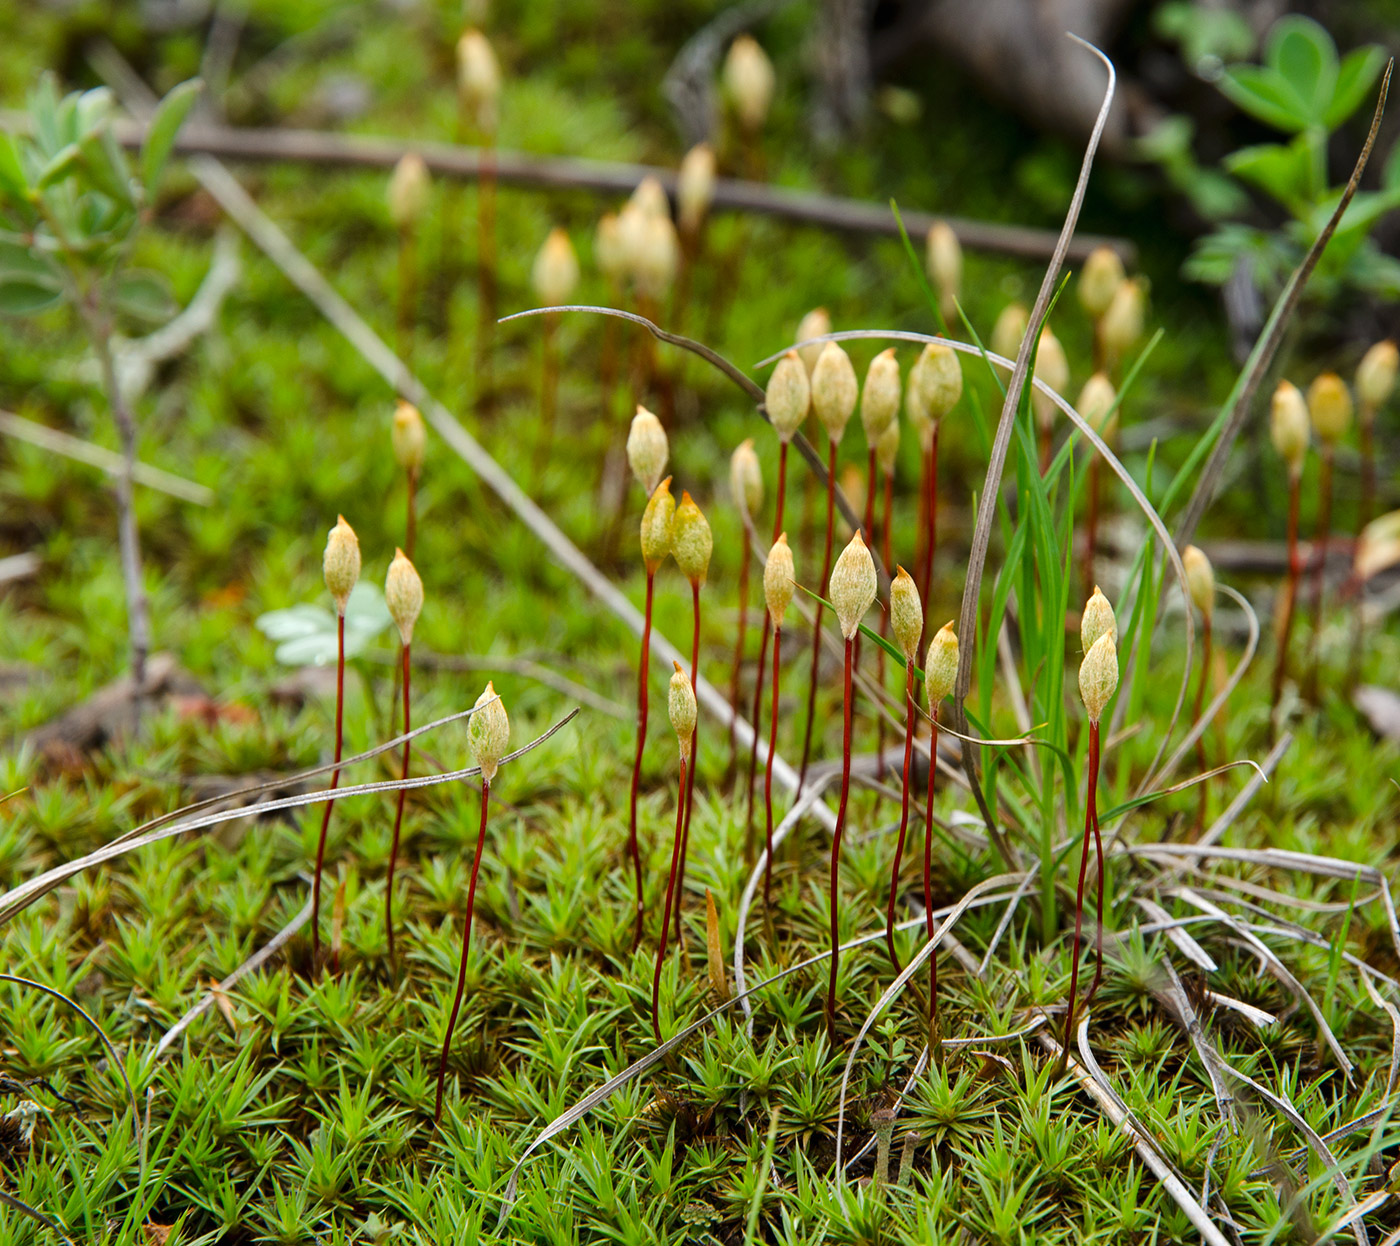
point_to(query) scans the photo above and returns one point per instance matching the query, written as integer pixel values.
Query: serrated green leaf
(169, 116)
(24, 295)
(145, 295)
(1356, 77)
(1264, 94)
(1278, 169)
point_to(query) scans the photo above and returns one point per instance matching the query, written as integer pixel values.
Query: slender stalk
(885, 555)
(1367, 421)
(903, 810)
(930, 521)
(935, 1034)
(398, 816)
(1319, 559)
(607, 357)
(466, 948)
(817, 624)
(762, 659)
(1290, 595)
(642, 710)
(138, 613)
(1046, 432)
(335, 782)
(670, 892)
(1091, 820)
(768, 769)
(870, 491)
(1207, 631)
(410, 538)
(836, 845)
(745, 555)
(694, 757)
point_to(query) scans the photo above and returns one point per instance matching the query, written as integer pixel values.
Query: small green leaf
(60, 166)
(22, 294)
(13, 184)
(1277, 169)
(306, 634)
(105, 165)
(169, 116)
(145, 295)
(1355, 78)
(1266, 95)
(1302, 53)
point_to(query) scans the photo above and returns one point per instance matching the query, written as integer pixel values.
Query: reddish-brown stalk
(1319, 557)
(768, 768)
(885, 556)
(1290, 593)
(398, 816)
(694, 757)
(762, 659)
(676, 849)
(642, 709)
(410, 536)
(1367, 422)
(817, 624)
(935, 1046)
(744, 559)
(1091, 824)
(335, 782)
(466, 948)
(930, 520)
(903, 807)
(846, 699)
(407, 289)
(1207, 636)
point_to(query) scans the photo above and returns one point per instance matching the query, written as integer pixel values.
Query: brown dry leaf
(718, 983)
(157, 1234)
(225, 1004)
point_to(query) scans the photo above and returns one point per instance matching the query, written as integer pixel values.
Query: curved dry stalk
(19, 898)
(25, 1209)
(112, 1056)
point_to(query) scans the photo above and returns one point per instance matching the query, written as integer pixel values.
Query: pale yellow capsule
(1375, 375)
(1200, 579)
(834, 389)
(879, 398)
(1097, 620)
(1009, 331)
(647, 449)
(649, 198)
(906, 614)
(409, 437)
(1122, 323)
(1099, 281)
(409, 186)
(341, 562)
(816, 323)
(789, 396)
(1098, 676)
(934, 388)
(609, 250)
(746, 479)
(1329, 407)
(1095, 404)
(943, 259)
(657, 519)
(555, 272)
(658, 257)
(403, 594)
(488, 732)
(1052, 367)
(749, 82)
(779, 576)
(695, 187)
(1289, 427)
(680, 705)
(478, 80)
(853, 585)
(691, 540)
(940, 667)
